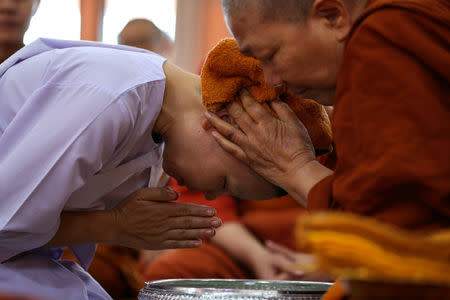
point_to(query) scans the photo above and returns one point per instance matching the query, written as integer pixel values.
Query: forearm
(301, 182)
(83, 228)
(238, 242)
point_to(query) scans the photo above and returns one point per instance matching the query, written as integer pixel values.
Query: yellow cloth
(363, 248)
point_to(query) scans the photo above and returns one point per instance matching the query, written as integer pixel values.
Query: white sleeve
(60, 137)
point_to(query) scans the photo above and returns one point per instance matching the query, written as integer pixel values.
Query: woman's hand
(149, 219)
(289, 265)
(271, 266)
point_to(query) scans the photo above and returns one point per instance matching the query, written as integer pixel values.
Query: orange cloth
(363, 248)
(11, 297)
(208, 261)
(391, 117)
(226, 71)
(336, 291)
(377, 259)
(116, 269)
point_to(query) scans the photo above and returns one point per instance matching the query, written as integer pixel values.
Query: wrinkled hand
(149, 219)
(289, 266)
(274, 148)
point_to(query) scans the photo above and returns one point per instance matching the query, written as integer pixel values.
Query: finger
(240, 116)
(284, 111)
(281, 262)
(189, 209)
(229, 146)
(190, 234)
(282, 276)
(175, 244)
(266, 273)
(277, 248)
(226, 129)
(155, 194)
(206, 125)
(194, 222)
(256, 112)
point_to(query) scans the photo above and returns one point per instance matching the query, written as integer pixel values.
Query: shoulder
(403, 20)
(113, 69)
(396, 31)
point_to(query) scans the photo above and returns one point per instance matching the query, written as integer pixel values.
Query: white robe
(76, 123)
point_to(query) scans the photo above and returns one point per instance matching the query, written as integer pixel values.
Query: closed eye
(224, 186)
(269, 58)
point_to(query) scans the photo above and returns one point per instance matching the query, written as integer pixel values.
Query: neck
(6, 50)
(182, 100)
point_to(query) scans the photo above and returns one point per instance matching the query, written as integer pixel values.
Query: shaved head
(142, 33)
(284, 11)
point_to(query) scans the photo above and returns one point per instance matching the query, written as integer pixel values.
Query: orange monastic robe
(391, 121)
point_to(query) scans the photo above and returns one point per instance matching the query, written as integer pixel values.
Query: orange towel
(226, 71)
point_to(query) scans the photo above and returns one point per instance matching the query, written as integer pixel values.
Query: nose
(271, 76)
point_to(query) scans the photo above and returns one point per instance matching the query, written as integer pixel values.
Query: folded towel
(363, 248)
(226, 71)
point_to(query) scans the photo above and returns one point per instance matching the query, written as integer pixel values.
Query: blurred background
(194, 25)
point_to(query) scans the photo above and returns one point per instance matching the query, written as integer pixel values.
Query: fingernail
(211, 212)
(215, 134)
(244, 92)
(197, 243)
(209, 231)
(208, 115)
(216, 222)
(172, 193)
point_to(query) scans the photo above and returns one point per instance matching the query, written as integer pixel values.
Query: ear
(224, 115)
(336, 16)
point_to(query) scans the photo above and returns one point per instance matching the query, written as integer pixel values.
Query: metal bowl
(188, 289)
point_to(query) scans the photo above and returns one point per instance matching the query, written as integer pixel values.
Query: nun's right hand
(150, 219)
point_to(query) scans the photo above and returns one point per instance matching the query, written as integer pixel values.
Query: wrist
(83, 228)
(301, 180)
(106, 227)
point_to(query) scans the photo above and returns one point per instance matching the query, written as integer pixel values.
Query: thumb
(156, 194)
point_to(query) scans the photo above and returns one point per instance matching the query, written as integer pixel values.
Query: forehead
(251, 34)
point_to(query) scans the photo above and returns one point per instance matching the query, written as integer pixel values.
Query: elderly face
(304, 55)
(196, 160)
(15, 17)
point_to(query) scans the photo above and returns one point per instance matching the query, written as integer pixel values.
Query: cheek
(248, 185)
(25, 16)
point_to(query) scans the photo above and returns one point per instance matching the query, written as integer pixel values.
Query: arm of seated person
(293, 269)
(244, 247)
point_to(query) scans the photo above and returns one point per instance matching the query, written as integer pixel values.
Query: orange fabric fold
(336, 292)
(226, 71)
